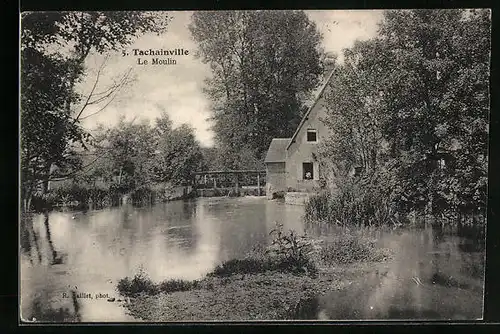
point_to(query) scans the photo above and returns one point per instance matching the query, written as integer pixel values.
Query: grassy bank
(82, 196)
(281, 282)
(263, 296)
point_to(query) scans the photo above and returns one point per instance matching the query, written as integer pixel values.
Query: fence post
(258, 184)
(236, 184)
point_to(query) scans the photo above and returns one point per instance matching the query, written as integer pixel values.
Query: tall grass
(82, 196)
(350, 205)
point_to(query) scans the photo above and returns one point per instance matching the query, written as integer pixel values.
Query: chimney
(329, 63)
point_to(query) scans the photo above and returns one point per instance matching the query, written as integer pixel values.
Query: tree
(54, 46)
(211, 158)
(134, 154)
(178, 156)
(438, 105)
(264, 64)
(130, 150)
(354, 113)
(417, 97)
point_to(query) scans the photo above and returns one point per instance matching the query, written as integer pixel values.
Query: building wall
(275, 178)
(302, 151)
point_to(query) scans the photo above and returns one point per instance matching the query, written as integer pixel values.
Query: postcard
(258, 165)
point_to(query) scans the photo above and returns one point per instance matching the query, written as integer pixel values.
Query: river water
(70, 262)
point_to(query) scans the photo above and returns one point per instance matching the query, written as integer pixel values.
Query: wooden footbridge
(208, 179)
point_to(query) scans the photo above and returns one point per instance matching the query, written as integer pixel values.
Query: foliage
(142, 196)
(128, 147)
(211, 157)
(54, 46)
(179, 156)
(142, 159)
(355, 202)
(410, 107)
(278, 194)
(264, 64)
(140, 283)
(287, 253)
(83, 195)
(292, 250)
(46, 126)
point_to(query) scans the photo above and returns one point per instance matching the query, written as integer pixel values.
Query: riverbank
(283, 281)
(262, 296)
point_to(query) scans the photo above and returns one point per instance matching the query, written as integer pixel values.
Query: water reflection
(66, 255)
(76, 253)
(426, 280)
(56, 258)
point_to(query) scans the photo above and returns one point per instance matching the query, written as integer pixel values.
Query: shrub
(142, 196)
(81, 195)
(288, 252)
(140, 283)
(293, 251)
(318, 207)
(278, 194)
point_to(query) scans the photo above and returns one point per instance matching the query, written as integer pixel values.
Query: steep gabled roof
(277, 150)
(318, 97)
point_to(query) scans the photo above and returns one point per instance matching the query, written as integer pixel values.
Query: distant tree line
(137, 154)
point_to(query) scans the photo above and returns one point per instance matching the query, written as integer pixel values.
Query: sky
(177, 89)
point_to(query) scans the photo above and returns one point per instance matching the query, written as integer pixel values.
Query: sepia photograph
(253, 165)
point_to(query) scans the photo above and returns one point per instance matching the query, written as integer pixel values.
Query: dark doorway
(308, 171)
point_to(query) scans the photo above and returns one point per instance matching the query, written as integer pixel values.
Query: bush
(278, 194)
(141, 283)
(288, 252)
(293, 251)
(81, 195)
(318, 207)
(142, 196)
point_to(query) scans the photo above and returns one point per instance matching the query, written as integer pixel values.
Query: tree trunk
(120, 176)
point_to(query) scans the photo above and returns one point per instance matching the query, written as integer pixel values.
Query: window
(307, 171)
(311, 135)
(357, 171)
(441, 163)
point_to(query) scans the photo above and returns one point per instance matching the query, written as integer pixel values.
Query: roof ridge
(277, 150)
(303, 120)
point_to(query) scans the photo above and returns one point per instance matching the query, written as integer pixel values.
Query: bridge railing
(229, 179)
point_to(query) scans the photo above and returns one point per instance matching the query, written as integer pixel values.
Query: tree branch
(114, 91)
(64, 177)
(91, 92)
